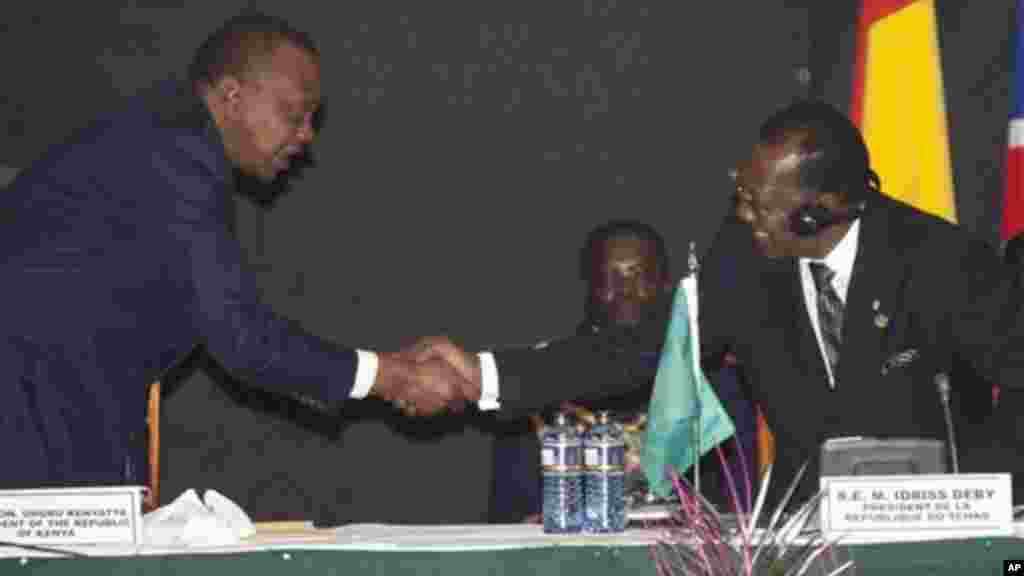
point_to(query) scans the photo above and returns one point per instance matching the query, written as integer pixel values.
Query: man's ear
(833, 201)
(228, 91)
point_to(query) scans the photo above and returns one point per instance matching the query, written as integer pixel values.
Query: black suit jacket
(943, 295)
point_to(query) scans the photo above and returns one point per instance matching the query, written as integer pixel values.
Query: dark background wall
(468, 147)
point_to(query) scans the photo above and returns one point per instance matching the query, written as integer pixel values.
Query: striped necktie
(830, 313)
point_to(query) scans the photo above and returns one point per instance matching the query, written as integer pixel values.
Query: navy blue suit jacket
(116, 261)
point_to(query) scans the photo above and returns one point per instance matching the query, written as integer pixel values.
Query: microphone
(942, 384)
(811, 219)
(834, 218)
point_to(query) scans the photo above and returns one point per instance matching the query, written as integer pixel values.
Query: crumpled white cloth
(188, 521)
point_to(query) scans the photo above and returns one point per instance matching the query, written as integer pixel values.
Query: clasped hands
(428, 377)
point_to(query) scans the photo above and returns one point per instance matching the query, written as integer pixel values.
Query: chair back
(152, 499)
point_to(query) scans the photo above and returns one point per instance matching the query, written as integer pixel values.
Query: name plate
(970, 505)
(72, 516)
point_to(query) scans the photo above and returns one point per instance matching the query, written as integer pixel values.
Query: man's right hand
(419, 388)
(441, 348)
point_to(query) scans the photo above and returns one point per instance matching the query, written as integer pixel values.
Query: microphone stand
(942, 383)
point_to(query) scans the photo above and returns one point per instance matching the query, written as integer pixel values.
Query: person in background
(626, 268)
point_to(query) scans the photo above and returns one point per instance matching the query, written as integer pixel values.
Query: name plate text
(957, 504)
(72, 516)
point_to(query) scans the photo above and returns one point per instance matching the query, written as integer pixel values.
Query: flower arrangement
(701, 541)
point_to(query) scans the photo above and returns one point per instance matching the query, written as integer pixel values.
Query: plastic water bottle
(604, 476)
(561, 465)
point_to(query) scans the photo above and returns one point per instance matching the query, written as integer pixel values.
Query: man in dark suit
(116, 262)
(845, 308)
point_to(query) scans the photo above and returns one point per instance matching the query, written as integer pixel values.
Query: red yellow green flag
(899, 103)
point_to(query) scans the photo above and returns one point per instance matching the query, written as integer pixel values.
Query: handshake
(431, 375)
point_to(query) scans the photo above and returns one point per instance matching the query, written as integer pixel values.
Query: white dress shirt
(840, 260)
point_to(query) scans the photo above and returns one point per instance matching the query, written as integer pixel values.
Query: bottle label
(560, 457)
(605, 457)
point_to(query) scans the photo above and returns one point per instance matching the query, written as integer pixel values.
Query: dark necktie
(830, 313)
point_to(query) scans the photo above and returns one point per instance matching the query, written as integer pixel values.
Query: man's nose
(633, 288)
(744, 213)
(307, 132)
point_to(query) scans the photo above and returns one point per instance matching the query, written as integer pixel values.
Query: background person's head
(809, 160)
(626, 268)
(260, 78)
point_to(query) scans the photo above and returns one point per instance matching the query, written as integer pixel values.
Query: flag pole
(693, 265)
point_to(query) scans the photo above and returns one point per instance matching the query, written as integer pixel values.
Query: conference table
(469, 550)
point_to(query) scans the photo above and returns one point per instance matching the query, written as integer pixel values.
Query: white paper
(189, 521)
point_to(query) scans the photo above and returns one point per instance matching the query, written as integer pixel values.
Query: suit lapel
(872, 298)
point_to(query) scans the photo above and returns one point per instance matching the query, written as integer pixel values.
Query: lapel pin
(881, 320)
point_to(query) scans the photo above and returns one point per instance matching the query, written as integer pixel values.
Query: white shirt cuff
(488, 383)
(366, 373)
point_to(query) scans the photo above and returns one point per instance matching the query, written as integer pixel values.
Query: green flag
(682, 397)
